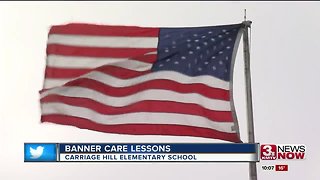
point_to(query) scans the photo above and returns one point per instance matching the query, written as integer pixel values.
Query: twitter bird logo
(40, 152)
(36, 153)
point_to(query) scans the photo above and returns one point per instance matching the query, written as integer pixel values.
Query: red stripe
(97, 51)
(149, 58)
(143, 106)
(104, 30)
(213, 93)
(118, 72)
(142, 129)
(64, 72)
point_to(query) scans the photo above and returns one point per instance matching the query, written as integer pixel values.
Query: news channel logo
(282, 151)
(40, 152)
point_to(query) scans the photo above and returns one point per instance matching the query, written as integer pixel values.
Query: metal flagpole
(246, 53)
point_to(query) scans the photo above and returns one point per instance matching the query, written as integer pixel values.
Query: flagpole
(246, 53)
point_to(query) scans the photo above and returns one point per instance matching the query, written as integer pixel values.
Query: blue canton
(197, 51)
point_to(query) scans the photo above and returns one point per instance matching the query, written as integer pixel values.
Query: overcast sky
(285, 69)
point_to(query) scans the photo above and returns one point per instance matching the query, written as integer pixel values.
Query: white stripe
(153, 52)
(50, 82)
(104, 41)
(152, 94)
(90, 62)
(168, 75)
(136, 118)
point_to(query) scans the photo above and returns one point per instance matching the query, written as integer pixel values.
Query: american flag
(146, 81)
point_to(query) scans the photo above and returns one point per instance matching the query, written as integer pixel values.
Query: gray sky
(285, 83)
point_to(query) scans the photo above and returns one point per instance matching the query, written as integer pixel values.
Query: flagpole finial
(245, 22)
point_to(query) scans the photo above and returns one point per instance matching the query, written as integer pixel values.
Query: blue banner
(157, 148)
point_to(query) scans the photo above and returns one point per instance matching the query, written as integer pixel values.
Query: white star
(166, 50)
(196, 40)
(199, 69)
(173, 42)
(205, 43)
(196, 61)
(190, 52)
(213, 57)
(168, 60)
(227, 58)
(223, 30)
(201, 56)
(229, 39)
(227, 33)
(206, 62)
(167, 35)
(195, 35)
(228, 47)
(188, 40)
(220, 62)
(198, 47)
(189, 65)
(220, 52)
(176, 62)
(212, 39)
(173, 47)
(210, 32)
(160, 65)
(225, 70)
(189, 45)
(183, 57)
(220, 36)
(222, 43)
(214, 68)
(214, 48)
(203, 37)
